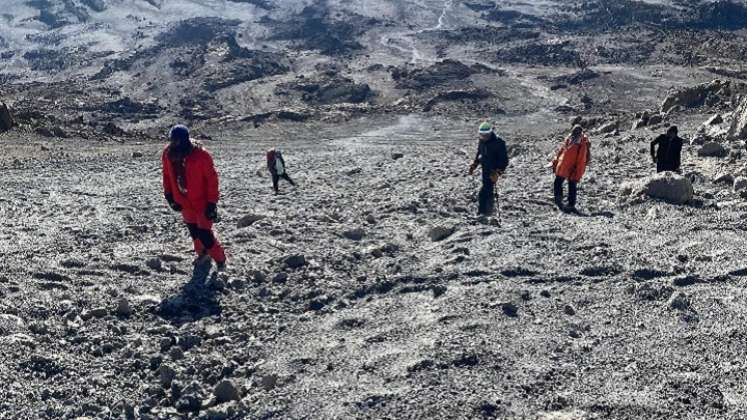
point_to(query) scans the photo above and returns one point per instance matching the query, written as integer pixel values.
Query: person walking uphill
(570, 165)
(190, 186)
(277, 168)
(493, 157)
(668, 154)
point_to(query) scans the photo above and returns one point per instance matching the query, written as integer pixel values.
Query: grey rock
(98, 312)
(269, 382)
(655, 119)
(356, 234)
(740, 184)
(679, 301)
(295, 261)
(712, 149)
(439, 233)
(226, 391)
(176, 353)
(123, 307)
(249, 220)
(154, 264)
(166, 375)
(668, 186)
(510, 309)
(280, 278)
(726, 178)
(715, 120)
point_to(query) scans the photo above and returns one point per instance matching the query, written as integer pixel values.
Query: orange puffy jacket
(572, 159)
(200, 180)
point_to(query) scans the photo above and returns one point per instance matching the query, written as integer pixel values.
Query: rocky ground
(372, 290)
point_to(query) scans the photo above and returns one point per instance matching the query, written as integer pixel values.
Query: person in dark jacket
(277, 168)
(493, 157)
(667, 156)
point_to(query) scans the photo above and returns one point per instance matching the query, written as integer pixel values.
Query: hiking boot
(201, 260)
(221, 267)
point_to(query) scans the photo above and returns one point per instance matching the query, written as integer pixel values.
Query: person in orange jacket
(190, 186)
(570, 164)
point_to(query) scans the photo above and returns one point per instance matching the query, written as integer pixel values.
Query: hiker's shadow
(194, 301)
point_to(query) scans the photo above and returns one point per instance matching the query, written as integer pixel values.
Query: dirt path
(626, 312)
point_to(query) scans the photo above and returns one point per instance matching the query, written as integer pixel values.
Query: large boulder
(667, 186)
(6, 118)
(712, 149)
(738, 129)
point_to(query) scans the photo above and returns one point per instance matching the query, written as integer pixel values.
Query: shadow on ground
(195, 300)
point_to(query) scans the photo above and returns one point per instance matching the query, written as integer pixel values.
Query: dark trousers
(487, 197)
(276, 178)
(572, 188)
(666, 166)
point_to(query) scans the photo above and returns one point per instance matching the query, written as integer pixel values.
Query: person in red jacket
(190, 186)
(570, 165)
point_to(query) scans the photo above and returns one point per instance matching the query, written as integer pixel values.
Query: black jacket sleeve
(501, 155)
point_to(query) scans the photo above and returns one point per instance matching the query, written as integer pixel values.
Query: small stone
(280, 278)
(154, 264)
(397, 155)
(545, 293)
(165, 343)
(510, 309)
(136, 155)
(295, 261)
(225, 391)
(155, 361)
(269, 382)
(258, 277)
(568, 309)
(166, 375)
(740, 184)
(123, 308)
(176, 353)
(679, 301)
(98, 312)
(354, 234)
(250, 219)
(439, 233)
(236, 284)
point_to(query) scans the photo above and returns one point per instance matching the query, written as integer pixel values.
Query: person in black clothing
(493, 156)
(277, 168)
(667, 155)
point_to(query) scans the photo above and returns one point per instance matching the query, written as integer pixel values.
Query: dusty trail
(391, 323)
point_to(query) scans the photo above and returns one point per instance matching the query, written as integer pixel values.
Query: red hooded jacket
(200, 180)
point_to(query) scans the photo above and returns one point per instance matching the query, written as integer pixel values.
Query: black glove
(173, 204)
(211, 212)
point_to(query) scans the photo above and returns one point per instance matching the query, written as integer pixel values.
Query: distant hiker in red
(190, 185)
(276, 166)
(570, 164)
